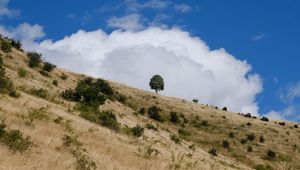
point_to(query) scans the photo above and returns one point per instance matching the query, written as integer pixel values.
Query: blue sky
(264, 33)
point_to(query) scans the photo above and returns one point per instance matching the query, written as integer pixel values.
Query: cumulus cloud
(190, 69)
(129, 22)
(5, 11)
(290, 96)
(183, 8)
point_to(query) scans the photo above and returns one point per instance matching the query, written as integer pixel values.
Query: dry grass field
(198, 137)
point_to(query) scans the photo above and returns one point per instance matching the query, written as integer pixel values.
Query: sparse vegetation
(195, 100)
(6, 85)
(264, 119)
(271, 155)
(34, 59)
(213, 152)
(231, 135)
(154, 112)
(175, 139)
(22, 73)
(16, 44)
(35, 114)
(48, 67)
(5, 46)
(137, 131)
(225, 144)
(63, 76)
(251, 136)
(152, 127)
(262, 139)
(42, 93)
(14, 139)
(83, 162)
(55, 82)
(174, 117)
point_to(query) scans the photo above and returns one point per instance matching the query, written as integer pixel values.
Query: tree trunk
(156, 91)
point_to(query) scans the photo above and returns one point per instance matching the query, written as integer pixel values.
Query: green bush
(249, 149)
(6, 85)
(48, 66)
(263, 167)
(184, 132)
(44, 73)
(261, 139)
(108, 119)
(22, 72)
(264, 119)
(149, 126)
(137, 131)
(243, 141)
(225, 144)
(271, 155)
(142, 111)
(154, 113)
(14, 139)
(175, 139)
(251, 136)
(55, 82)
(63, 76)
(16, 43)
(42, 93)
(174, 118)
(213, 151)
(34, 59)
(231, 135)
(5, 46)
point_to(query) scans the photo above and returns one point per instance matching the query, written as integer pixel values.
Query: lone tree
(157, 83)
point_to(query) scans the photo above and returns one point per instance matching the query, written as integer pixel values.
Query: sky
(239, 54)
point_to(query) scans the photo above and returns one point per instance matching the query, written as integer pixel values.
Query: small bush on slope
(6, 85)
(5, 46)
(48, 67)
(154, 113)
(14, 139)
(34, 59)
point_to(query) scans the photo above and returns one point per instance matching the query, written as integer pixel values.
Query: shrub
(44, 73)
(121, 98)
(58, 120)
(184, 132)
(295, 126)
(108, 119)
(261, 139)
(6, 85)
(5, 46)
(48, 67)
(271, 155)
(263, 167)
(249, 149)
(213, 152)
(248, 124)
(63, 76)
(251, 137)
(243, 141)
(225, 144)
(174, 117)
(282, 123)
(248, 115)
(16, 43)
(34, 59)
(231, 135)
(224, 109)
(137, 131)
(154, 113)
(175, 139)
(55, 82)
(70, 95)
(14, 139)
(42, 93)
(149, 126)
(264, 119)
(195, 100)
(142, 111)
(22, 72)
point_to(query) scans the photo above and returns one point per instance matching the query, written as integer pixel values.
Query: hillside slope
(60, 137)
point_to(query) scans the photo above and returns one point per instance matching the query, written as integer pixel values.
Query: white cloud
(259, 37)
(134, 5)
(183, 8)
(5, 12)
(129, 22)
(290, 97)
(189, 67)
(25, 32)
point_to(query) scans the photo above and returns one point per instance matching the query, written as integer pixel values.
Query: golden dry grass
(111, 150)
